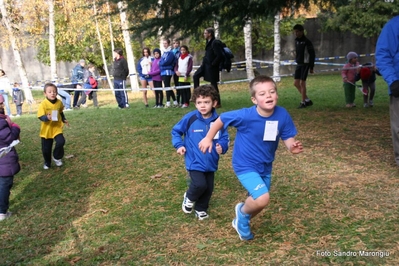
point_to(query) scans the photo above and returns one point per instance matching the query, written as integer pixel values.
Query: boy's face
(50, 93)
(204, 105)
(265, 96)
(157, 55)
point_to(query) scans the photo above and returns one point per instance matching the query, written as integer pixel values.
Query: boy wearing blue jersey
(259, 129)
(201, 167)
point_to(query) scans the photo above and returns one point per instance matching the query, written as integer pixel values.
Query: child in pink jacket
(348, 74)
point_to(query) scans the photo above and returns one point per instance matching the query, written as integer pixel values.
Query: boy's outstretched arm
(206, 143)
(294, 146)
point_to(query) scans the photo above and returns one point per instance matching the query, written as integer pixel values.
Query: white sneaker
(4, 216)
(45, 167)
(175, 104)
(187, 205)
(167, 105)
(201, 215)
(57, 162)
(68, 109)
(83, 105)
(127, 105)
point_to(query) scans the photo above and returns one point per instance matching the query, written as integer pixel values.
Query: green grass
(103, 207)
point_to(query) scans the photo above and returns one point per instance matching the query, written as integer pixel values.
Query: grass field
(117, 199)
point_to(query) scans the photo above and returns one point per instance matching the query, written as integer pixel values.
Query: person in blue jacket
(167, 65)
(201, 167)
(387, 60)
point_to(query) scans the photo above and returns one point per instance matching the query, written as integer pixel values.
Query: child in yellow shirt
(52, 119)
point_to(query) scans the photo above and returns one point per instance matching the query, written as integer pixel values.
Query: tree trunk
(102, 47)
(277, 48)
(217, 29)
(17, 55)
(51, 40)
(248, 48)
(129, 51)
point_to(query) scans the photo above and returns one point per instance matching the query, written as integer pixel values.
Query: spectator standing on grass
(349, 74)
(18, 98)
(167, 65)
(77, 81)
(367, 75)
(183, 68)
(5, 90)
(176, 52)
(387, 56)
(201, 167)
(9, 162)
(51, 115)
(305, 57)
(120, 73)
(90, 85)
(143, 69)
(209, 68)
(259, 129)
(155, 73)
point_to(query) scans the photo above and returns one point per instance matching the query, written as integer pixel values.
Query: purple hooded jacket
(9, 164)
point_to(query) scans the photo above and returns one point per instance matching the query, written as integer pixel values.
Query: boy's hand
(49, 117)
(66, 122)
(205, 145)
(296, 147)
(219, 148)
(181, 150)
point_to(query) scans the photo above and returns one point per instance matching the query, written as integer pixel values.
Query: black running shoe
(302, 105)
(309, 103)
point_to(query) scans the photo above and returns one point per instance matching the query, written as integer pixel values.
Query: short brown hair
(47, 85)
(260, 79)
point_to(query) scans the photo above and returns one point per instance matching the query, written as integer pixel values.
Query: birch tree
(129, 51)
(51, 40)
(248, 48)
(17, 54)
(277, 48)
(102, 47)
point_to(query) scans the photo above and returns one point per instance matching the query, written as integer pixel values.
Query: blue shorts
(255, 184)
(148, 79)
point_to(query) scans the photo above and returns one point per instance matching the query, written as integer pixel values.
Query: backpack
(227, 56)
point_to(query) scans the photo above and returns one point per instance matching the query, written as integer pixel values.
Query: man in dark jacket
(305, 57)
(120, 73)
(209, 68)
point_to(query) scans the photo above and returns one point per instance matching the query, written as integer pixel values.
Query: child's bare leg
(253, 207)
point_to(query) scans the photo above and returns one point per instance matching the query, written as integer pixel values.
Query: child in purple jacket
(155, 73)
(9, 162)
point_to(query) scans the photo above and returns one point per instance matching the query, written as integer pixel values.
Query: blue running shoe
(241, 223)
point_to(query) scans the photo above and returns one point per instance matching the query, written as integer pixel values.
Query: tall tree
(102, 47)
(277, 47)
(16, 51)
(128, 45)
(51, 40)
(361, 17)
(177, 15)
(248, 48)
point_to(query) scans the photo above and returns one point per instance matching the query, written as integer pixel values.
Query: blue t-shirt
(251, 153)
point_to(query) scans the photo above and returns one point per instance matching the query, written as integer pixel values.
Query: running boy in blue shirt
(259, 129)
(201, 167)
